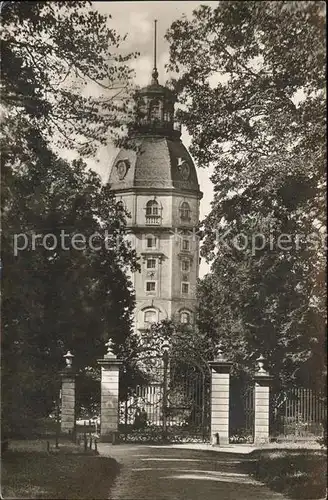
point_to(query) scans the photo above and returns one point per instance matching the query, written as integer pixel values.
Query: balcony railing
(153, 220)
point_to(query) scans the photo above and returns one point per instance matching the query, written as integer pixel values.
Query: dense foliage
(60, 294)
(251, 78)
(65, 84)
(63, 75)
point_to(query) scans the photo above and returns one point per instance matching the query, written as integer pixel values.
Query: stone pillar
(109, 418)
(67, 424)
(262, 381)
(220, 400)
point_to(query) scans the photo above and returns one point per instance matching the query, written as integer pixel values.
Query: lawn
(298, 473)
(67, 473)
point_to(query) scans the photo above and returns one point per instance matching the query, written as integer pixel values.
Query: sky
(136, 19)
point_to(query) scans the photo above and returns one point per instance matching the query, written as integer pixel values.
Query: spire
(154, 74)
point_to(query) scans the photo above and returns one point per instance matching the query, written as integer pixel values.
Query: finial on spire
(155, 72)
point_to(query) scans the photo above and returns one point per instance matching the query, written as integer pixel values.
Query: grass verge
(297, 473)
(62, 475)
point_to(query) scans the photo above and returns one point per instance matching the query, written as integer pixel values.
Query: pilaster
(109, 420)
(220, 385)
(67, 425)
(262, 381)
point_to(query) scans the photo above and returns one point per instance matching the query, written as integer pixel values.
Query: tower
(157, 184)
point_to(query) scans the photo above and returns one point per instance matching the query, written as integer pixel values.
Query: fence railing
(300, 412)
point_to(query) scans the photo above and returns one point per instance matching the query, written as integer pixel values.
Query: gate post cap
(68, 371)
(261, 374)
(219, 355)
(220, 362)
(110, 354)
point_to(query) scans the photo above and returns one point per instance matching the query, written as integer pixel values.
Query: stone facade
(157, 184)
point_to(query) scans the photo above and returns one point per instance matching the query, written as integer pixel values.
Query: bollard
(96, 447)
(48, 447)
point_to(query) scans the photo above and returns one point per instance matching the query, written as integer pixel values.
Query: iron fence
(298, 412)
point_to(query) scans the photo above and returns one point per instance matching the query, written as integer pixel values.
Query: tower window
(185, 265)
(151, 242)
(152, 213)
(150, 316)
(185, 244)
(150, 286)
(151, 263)
(120, 206)
(185, 288)
(152, 208)
(185, 211)
(185, 317)
(154, 111)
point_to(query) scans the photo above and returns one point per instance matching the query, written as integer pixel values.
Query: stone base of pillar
(218, 440)
(110, 437)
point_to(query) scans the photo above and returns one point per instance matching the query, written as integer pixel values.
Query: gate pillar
(67, 424)
(262, 381)
(109, 418)
(220, 388)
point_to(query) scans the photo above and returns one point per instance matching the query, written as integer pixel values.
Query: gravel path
(158, 473)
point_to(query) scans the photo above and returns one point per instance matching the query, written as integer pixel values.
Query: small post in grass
(85, 436)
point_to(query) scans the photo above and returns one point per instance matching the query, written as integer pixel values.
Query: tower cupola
(155, 108)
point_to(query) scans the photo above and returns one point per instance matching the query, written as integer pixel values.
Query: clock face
(122, 168)
(184, 170)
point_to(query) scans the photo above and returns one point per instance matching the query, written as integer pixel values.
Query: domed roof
(157, 163)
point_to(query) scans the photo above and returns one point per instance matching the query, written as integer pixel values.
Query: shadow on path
(158, 473)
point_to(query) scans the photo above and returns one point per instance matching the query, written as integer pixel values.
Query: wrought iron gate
(174, 407)
(242, 411)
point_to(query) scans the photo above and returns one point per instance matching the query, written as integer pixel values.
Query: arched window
(154, 110)
(150, 317)
(185, 317)
(120, 206)
(153, 213)
(185, 211)
(152, 208)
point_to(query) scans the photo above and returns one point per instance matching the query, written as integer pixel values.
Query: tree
(64, 289)
(251, 79)
(64, 76)
(65, 84)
